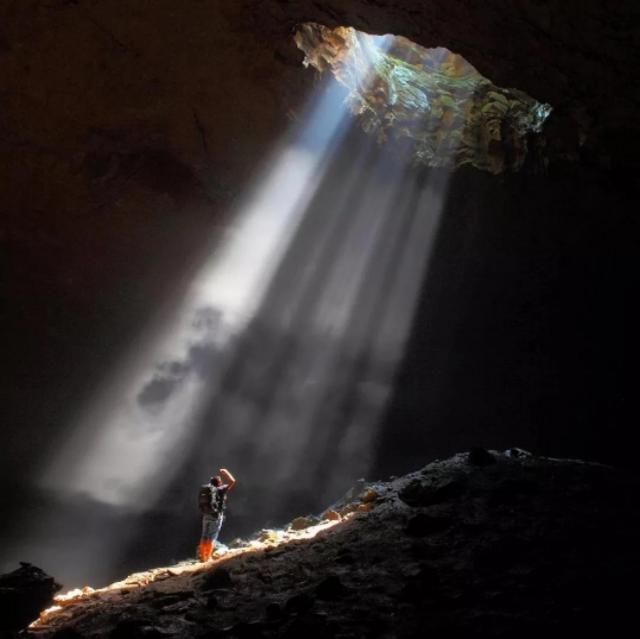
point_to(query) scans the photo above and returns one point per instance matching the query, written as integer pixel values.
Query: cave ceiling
(102, 100)
(92, 88)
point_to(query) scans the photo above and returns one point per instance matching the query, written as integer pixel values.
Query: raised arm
(227, 478)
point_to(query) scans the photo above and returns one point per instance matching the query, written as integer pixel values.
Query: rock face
(23, 594)
(524, 545)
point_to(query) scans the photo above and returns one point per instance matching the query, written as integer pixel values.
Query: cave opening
(431, 103)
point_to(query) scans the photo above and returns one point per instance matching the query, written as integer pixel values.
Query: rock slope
(481, 544)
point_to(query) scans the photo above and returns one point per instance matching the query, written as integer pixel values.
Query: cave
(323, 244)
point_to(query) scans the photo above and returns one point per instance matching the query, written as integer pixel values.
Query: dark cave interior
(129, 138)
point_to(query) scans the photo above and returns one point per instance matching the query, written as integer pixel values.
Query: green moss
(452, 114)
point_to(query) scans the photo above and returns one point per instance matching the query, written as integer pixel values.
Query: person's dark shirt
(219, 496)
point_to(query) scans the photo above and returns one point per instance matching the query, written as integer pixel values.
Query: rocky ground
(481, 544)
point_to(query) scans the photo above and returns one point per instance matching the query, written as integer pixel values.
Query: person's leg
(218, 527)
(209, 532)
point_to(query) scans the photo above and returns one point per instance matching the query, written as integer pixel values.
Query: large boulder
(23, 594)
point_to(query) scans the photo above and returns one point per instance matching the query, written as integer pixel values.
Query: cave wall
(127, 128)
(128, 131)
(126, 134)
(525, 327)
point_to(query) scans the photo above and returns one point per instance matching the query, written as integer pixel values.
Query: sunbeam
(131, 441)
(281, 356)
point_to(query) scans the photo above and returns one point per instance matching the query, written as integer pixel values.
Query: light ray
(128, 441)
(281, 356)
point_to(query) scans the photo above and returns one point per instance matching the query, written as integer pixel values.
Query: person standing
(212, 501)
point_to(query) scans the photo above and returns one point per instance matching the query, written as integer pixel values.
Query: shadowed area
(212, 256)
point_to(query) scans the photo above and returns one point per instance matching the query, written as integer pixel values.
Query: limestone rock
(299, 523)
(518, 539)
(23, 594)
(369, 496)
(268, 536)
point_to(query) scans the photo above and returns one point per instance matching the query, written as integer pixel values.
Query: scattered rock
(355, 491)
(238, 543)
(220, 550)
(23, 594)
(300, 523)
(369, 496)
(331, 515)
(268, 536)
(480, 457)
(349, 508)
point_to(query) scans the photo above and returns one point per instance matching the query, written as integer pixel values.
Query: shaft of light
(123, 452)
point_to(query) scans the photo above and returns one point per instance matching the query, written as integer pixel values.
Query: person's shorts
(211, 525)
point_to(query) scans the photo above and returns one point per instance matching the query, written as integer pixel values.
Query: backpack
(209, 500)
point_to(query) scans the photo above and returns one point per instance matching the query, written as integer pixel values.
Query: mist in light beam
(127, 447)
(121, 449)
(280, 358)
